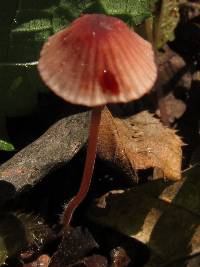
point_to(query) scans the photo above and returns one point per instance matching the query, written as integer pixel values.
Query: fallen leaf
(163, 215)
(119, 257)
(174, 80)
(193, 261)
(140, 142)
(185, 193)
(92, 261)
(19, 232)
(196, 154)
(169, 231)
(190, 9)
(41, 261)
(175, 108)
(76, 244)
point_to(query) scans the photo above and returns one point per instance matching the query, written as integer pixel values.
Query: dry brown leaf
(140, 142)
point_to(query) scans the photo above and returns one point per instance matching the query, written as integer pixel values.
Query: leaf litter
(162, 214)
(140, 142)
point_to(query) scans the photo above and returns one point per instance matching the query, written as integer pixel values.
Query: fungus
(95, 61)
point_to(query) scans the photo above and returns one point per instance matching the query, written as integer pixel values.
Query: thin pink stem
(88, 169)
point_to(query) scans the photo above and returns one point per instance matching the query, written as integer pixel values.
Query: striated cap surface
(97, 60)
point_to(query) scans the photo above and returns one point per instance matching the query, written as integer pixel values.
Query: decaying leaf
(163, 215)
(185, 193)
(91, 261)
(19, 231)
(119, 257)
(76, 244)
(190, 9)
(41, 261)
(172, 70)
(140, 142)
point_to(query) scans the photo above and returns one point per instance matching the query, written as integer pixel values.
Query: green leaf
(28, 23)
(6, 146)
(132, 11)
(24, 27)
(4, 140)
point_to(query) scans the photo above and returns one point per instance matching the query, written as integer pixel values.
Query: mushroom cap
(97, 60)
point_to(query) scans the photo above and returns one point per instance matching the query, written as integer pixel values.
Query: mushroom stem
(88, 168)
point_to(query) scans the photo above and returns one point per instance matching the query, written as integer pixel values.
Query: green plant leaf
(166, 22)
(4, 140)
(6, 146)
(24, 27)
(132, 11)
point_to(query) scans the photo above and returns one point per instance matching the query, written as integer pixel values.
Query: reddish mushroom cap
(97, 60)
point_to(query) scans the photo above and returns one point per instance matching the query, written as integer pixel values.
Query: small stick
(159, 89)
(88, 169)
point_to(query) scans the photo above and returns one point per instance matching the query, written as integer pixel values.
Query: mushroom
(95, 61)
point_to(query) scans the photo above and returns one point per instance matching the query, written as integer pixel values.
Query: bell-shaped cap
(97, 60)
